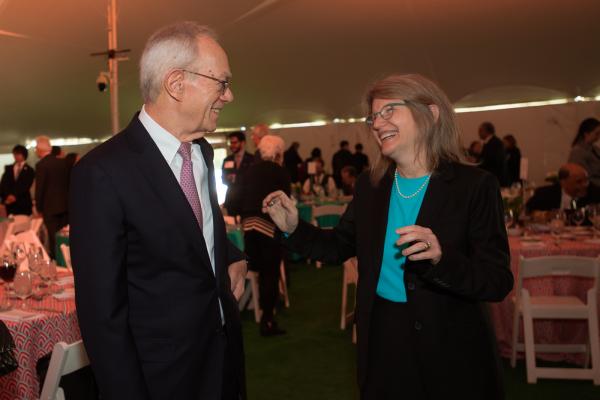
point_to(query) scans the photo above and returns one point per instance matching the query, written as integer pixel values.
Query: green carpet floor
(316, 360)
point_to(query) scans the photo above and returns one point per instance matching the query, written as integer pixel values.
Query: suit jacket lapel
(218, 222)
(166, 187)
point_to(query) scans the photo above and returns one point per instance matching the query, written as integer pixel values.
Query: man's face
(347, 179)
(235, 145)
(38, 152)
(18, 157)
(203, 98)
(576, 184)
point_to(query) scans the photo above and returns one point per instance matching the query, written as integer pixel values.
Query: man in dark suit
(233, 165)
(156, 279)
(573, 186)
(51, 189)
(340, 159)
(16, 183)
(492, 155)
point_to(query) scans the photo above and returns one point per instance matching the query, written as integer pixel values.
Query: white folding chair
(66, 358)
(66, 252)
(325, 211)
(254, 276)
(350, 277)
(557, 307)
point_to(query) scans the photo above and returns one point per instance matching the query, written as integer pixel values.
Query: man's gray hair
(171, 47)
(43, 143)
(270, 147)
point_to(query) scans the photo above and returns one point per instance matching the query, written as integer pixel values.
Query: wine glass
(594, 216)
(509, 218)
(578, 216)
(557, 225)
(8, 268)
(19, 251)
(23, 286)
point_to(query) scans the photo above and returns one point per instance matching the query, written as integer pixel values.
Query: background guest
(16, 183)
(293, 162)
(573, 186)
(340, 159)
(264, 252)
(474, 151)
(234, 165)
(493, 156)
(348, 180)
(51, 190)
(256, 134)
(319, 183)
(513, 159)
(583, 150)
(360, 160)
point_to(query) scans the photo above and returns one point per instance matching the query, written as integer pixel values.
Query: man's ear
(173, 84)
(435, 110)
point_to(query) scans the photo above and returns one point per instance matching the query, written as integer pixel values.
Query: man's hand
(10, 199)
(237, 274)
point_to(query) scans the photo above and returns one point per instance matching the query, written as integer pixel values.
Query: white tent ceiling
(295, 60)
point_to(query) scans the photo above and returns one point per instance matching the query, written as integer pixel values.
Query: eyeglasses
(386, 112)
(226, 84)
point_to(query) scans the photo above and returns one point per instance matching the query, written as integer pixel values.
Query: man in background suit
(157, 280)
(233, 165)
(492, 155)
(51, 189)
(573, 186)
(16, 183)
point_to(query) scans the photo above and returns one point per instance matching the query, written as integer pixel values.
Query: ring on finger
(427, 245)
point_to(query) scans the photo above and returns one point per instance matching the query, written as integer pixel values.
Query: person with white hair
(51, 190)
(157, 280)
(263, 250)
(256, 134)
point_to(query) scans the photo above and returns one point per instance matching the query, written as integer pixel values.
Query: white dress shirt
(168, 146)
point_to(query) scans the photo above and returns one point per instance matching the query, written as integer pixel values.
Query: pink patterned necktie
(187, 181)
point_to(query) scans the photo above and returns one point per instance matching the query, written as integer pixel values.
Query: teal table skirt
(61, 238)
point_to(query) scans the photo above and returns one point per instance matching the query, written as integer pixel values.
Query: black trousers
(392, 366)
(265, 256)
(54, 223)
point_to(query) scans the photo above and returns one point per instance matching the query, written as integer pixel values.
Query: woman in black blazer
(423, 326)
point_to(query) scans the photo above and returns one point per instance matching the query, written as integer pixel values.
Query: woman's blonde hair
(439, 140)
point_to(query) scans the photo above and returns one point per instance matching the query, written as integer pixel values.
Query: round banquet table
(546, 331)
(53, 320)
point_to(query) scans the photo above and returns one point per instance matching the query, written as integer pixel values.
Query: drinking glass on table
(578, 216)
(509, 218)
(557, 225)
(8, 268)
(594, 216)
(23, 286)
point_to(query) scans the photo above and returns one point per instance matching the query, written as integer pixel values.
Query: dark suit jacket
(19, 188)
(493, 159)
(147, 298)
(549, 197)
(51, 185)
(233, 188)
(455, 342)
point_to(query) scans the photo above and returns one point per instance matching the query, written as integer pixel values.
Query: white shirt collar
(487, 139)
(166, 142)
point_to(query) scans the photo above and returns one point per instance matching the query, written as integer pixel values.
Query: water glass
(23, 286)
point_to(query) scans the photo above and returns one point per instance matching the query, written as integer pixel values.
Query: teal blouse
(402, 212)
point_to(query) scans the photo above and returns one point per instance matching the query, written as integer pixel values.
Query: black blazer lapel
(435, 195)
(381, 204)
(160, 177)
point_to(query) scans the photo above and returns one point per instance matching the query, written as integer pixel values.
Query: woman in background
(583, 150)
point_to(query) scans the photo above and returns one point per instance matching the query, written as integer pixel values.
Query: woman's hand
(425, 245)
(282, 211)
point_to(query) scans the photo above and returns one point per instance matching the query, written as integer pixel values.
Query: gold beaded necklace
(410, 196)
